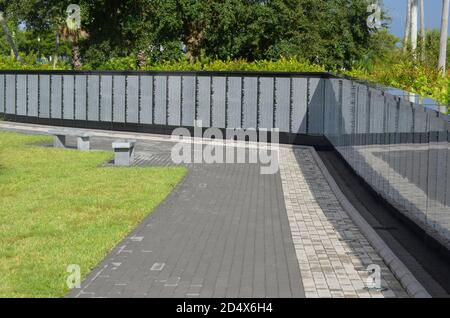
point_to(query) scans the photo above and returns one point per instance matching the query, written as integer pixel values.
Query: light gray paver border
(401, 272)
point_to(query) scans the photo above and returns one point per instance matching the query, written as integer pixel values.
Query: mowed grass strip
(60, 207)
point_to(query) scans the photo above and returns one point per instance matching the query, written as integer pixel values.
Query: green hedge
(29, 63)
(281, 65)
(402, 74)
(409, 77)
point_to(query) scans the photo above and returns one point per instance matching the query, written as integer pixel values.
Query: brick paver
(333, 255)
(223, 232)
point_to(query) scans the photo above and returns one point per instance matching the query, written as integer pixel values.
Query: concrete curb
(400, 271)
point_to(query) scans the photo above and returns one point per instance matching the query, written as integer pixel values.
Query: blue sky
(397, 11)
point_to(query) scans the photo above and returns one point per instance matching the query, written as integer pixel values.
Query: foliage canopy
(330, 32)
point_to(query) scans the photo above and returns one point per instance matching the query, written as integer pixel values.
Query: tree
(422, 31)
(256, 30)
(122, 28)
(330, 32)
(56, 53)
(407, 26)
(414, 16)
(43, 18)
(444, 37)
(72, 32)
(9, 37)
(73, 36)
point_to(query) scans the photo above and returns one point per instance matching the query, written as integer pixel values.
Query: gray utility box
(123, 152)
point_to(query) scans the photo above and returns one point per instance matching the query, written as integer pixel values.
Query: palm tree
(444, 36)
(74, 36)
(9, 37)
(56, 53)
(422, 31)
(71, 31)
(414, 14)
(407, 26)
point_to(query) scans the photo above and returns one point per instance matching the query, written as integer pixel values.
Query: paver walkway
(228, 231)
(223, 232)
(333, 254)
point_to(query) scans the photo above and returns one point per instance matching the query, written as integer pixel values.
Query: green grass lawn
(60, 207)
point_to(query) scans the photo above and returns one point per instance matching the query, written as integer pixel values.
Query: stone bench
(59, 140)
(123, 152)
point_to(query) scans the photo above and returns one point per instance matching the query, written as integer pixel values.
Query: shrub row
(406, 76)
(403, 75)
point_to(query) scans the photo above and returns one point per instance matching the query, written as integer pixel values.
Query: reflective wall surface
(398, 147)
(292, 102)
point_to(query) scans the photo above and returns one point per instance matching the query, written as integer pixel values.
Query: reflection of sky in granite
(426, 102)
